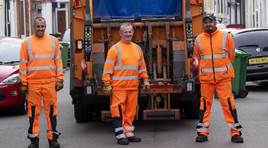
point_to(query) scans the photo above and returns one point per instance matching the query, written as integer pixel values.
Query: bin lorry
(164, 29)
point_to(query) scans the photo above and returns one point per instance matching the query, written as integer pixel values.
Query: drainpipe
(29, 11)
(30, 20)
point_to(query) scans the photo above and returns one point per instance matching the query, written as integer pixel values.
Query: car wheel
(23, 108)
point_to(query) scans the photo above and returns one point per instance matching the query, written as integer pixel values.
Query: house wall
(2, 18)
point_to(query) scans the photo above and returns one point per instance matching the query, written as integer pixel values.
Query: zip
(212, 58)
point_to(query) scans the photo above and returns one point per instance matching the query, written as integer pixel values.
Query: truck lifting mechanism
(166, 38)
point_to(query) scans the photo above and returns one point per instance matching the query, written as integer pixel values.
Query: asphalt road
(252, 114)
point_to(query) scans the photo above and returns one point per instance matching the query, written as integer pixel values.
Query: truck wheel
(191, 109)
(23, 108)
(83, 112)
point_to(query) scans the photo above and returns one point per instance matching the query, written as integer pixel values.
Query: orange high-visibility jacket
(40, 60)
(216, 52)
(124, 66)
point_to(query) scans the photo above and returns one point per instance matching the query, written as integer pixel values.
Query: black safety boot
(201, 138)
(53, 144)
(237, 139)
(34, 143)
(134, 139)
(123, 141)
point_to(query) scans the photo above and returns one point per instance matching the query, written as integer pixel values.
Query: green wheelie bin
(64, 53)
(240, 67)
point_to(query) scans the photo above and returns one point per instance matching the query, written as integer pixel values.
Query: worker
(41, 75)
(215, 50)
(123, 68)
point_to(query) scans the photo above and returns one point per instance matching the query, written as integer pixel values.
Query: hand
(24, 89)
(59, 85)
(107, 89)
(146, 84)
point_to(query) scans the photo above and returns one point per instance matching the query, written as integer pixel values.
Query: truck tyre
(83, 112)
(191, 109)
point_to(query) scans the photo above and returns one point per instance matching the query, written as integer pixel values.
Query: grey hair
(126, 25)
(39, 18)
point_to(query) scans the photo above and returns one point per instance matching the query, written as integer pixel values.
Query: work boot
(237, 139)
(134, 139)
(123, 141)
(201, 138)
(53, 144)
(34, 143)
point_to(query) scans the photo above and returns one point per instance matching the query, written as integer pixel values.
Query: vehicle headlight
(11, 80)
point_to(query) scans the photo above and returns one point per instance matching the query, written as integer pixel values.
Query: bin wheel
(234, 94)
(243, 93)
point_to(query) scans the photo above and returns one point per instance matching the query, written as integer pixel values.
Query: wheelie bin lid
(241, 53)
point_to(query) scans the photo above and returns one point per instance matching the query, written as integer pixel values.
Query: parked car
(254, 42)
(231, 31)
(10, 95)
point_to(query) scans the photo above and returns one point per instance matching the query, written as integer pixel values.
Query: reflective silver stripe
(53, 46)
(41, 56)
(58, 57)
(119, 129)
(120, 136)
(107, 71)
(59, 68)
(42, 68)
(125, 67)
(198, 56)
(233, 50)
(29, 48)
(57, 133)
(23, 72)
(201, 129)
(125, 78)
(119, 55)
(142, 60)
(129, 134)
(199, 44)
(203, 124)
(216, 69)
(139, 51)
(235, 125)
(224, 41)
(214, 56)
(129, 128)
(33, 135)
(109, 61)
(142, 70)
(23, 61)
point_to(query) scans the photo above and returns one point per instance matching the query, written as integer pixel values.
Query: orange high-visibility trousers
(124, 108)
(224, 92)
(47, 91)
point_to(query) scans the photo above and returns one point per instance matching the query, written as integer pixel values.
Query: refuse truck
(164, 29)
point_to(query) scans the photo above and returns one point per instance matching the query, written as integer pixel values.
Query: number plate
(258, 60)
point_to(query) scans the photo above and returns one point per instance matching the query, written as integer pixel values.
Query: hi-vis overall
(123, 68)
(40, 66)
(216, 52)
